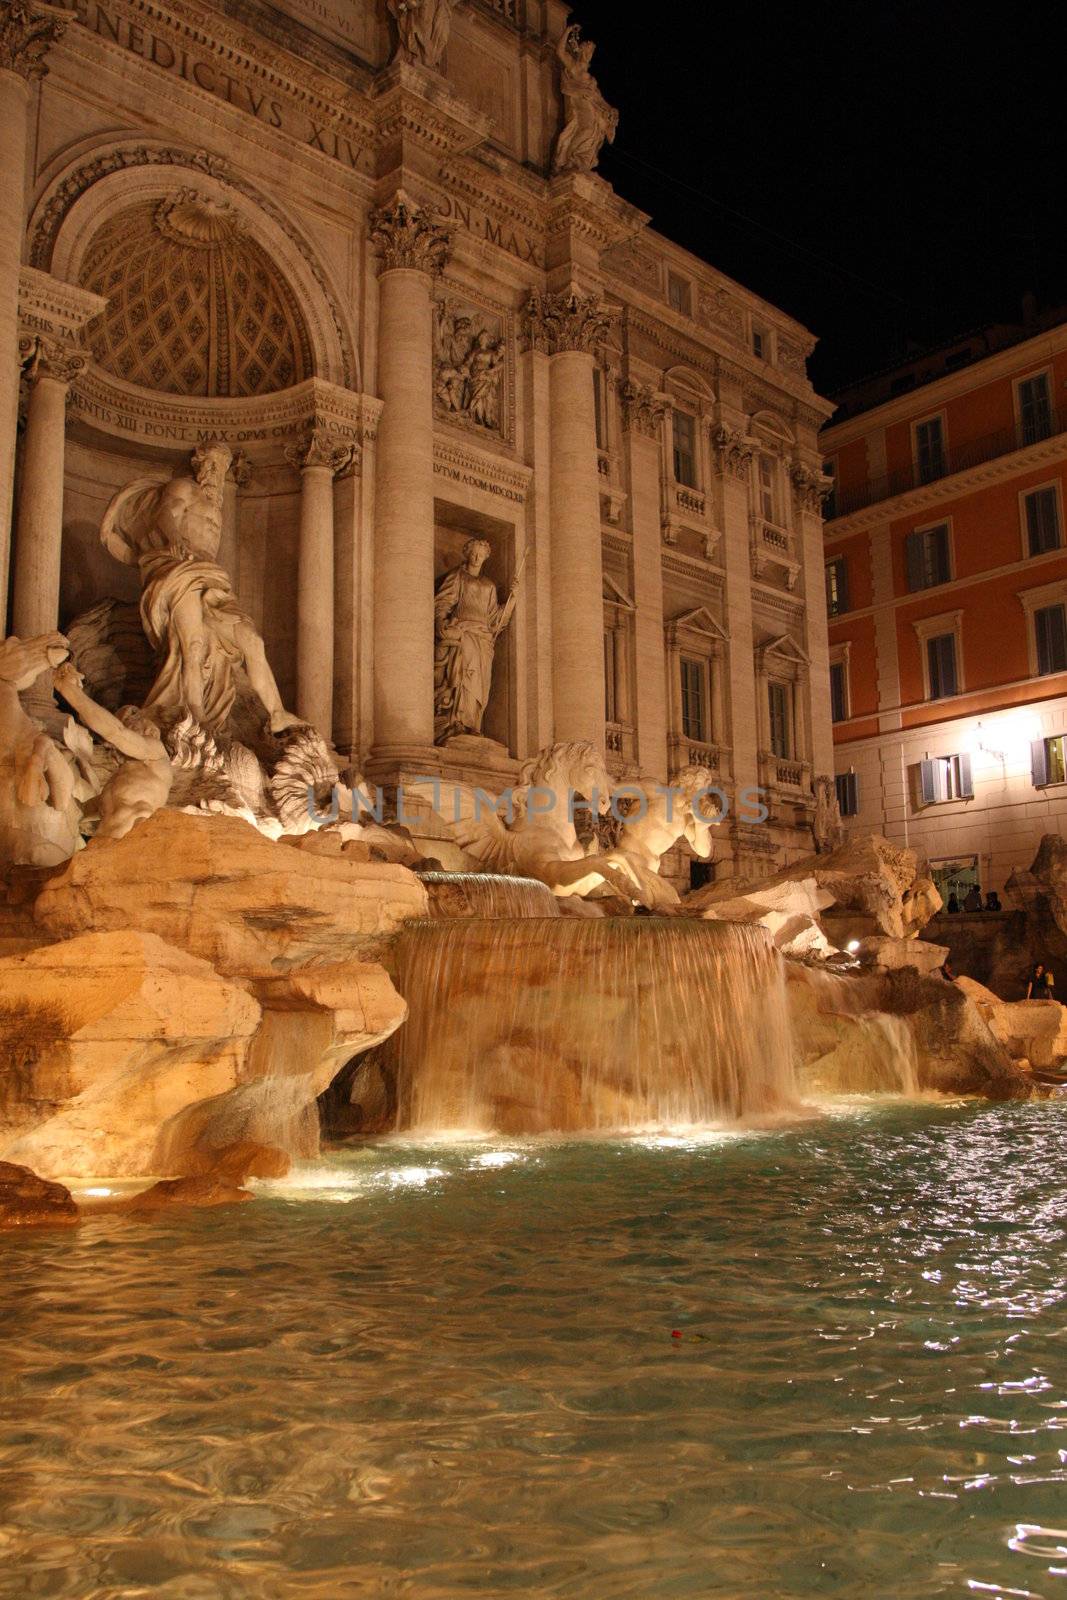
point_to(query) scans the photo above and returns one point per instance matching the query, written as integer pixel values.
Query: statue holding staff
(468, 620)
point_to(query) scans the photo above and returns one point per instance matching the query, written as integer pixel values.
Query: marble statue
(422, 28)
(171, 532)
(469, 361)
(827, 828)
(143, 782)
(39, 813)
(657, 821)
(468, 620)
(589, 120)
(538, 839)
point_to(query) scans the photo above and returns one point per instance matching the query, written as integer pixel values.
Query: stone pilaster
(732, 454)
(51, 366)
(810, 488)
(237, 478)
(643, 411)
(413, 249)
(317, 457)
(567, 327)
(26, 32)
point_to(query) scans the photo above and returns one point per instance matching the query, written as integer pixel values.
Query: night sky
(884, 172)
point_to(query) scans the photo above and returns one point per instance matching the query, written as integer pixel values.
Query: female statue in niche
(468, 620)
(422, 28)
(171, 533)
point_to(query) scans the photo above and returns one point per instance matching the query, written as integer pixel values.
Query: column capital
(318, 448)
(571, 321)
(734, 450)
(643, 410)
(408, 235)
(44, 357)
(810, 485)
(27, 29)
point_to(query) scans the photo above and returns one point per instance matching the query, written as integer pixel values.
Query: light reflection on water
(443, 1370)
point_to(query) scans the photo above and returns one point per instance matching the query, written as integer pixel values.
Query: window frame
(676, 279)
(760, 331)
(923, 422)
(846, 783)
(1024, 527)
(1017, 386)
(950, 548)
(703, 678)
(931, 790)
(787, 687)
(937, 627)
(840, 610)
(682, 411)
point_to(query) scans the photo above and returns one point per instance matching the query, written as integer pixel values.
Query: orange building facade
(946, 571)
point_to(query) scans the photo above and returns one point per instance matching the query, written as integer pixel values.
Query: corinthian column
(318, 458)
(413, 250)
(51, 368)
(26, 31)
(568, 328)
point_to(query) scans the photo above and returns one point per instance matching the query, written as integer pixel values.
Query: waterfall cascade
(487, 894)
(529, 1025)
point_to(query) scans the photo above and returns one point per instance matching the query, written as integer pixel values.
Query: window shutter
(842, 585)
(941, 563)
(847, 793)
(1038, 763)
(928, 782)
(914, 555)
(966, 786)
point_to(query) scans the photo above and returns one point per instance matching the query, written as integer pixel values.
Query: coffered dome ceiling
(195, 305)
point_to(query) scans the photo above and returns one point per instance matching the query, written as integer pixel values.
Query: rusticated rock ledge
(204, 987)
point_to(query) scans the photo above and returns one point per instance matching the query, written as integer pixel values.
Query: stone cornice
(49, 306)
(693, 567)
(580, 202)
(408, 102)
(27, 30)
(930, 495)
(262, 426)
(458, 462)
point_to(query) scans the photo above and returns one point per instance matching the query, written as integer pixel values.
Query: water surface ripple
(448, 1371)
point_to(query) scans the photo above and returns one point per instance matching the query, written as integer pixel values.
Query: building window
(768, 500)
(1048, 762)
(761, 344)
(685, 449)
(1035, 408)
(599, 409)
(945, 778)
(929, 450)
(928, 557)
(848, 799)
(838, 692)
(694, 699)
(1050, 637)
(679, 294)
(836, 586)
(1042, 510)
(611, 682)
(941, 666)
(779, 704)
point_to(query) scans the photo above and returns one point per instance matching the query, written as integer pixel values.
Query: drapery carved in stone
(26, 32)
(320, 448)
(733, 449)
(469, 358)
(643, 410)
(589, 120)
(409, 236)
(422, 29)
(557, 322)
(43, 357)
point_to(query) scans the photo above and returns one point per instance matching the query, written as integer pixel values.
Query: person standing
(1041, 983)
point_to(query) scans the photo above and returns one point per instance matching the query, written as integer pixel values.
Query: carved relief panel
(472, 378)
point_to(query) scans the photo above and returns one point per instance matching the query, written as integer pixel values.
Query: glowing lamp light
(852, 946)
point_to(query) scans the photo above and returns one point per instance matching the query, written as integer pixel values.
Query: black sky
(885, 172)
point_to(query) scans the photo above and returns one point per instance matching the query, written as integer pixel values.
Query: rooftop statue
(468, 620)
(422, 29)
(38, 809)
(171, 533)
(588, 119)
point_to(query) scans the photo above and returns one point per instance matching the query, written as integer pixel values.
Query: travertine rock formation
(1030, 1030)
(218, 889)
(27, 1201)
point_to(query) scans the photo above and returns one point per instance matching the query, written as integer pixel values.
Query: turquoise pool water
(449, 1371)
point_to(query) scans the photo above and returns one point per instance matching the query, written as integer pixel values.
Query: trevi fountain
(416, 1177)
